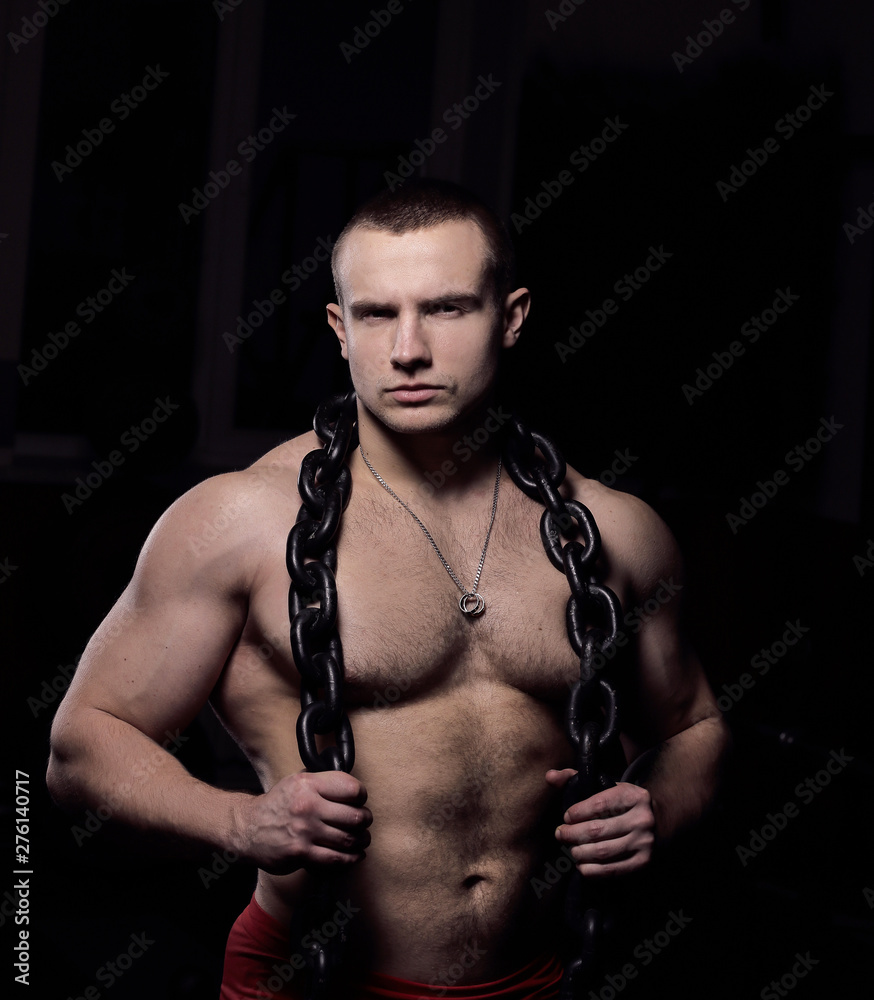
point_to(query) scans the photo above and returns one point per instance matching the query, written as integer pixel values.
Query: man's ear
(516, 307)
(335, 319)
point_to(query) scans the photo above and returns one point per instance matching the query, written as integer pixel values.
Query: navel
(472, 880)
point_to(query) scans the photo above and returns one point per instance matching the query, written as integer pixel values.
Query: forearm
(682, 775)
(101, 763)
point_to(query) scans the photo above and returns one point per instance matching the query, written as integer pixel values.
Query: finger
(325, 856)
(612, 802)
(559, 778)
(637, 821)
(338, 839)
(344, 816)
(617, 868)
(604, 851)
(608, 827)
(315, 859)
(613, 858)
(594, 832)
(340, 787)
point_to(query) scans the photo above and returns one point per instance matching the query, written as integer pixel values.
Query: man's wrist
(237, 836)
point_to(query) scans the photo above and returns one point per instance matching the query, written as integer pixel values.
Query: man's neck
(443, 465)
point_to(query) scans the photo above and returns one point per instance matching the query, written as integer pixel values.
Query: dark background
(801, 558)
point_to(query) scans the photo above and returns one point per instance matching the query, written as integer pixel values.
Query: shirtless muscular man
(433, 840)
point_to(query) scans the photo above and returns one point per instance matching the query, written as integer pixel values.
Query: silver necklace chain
(470, 602)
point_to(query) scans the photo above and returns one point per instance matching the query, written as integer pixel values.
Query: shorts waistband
(537, 980)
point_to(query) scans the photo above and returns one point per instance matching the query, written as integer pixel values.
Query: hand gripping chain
(594, 738)
(325, 484)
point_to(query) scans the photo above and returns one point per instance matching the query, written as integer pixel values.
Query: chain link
(592, 618)
(592, 713)
(325, 484)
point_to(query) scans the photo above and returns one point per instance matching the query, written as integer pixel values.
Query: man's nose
(411, 344)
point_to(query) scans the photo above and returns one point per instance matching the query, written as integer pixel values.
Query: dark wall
(700, 267)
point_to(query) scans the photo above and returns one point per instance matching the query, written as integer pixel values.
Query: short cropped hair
(420, 204)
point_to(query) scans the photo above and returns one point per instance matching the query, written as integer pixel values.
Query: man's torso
(456, 721)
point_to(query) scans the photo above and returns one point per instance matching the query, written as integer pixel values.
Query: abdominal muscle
(463, 821)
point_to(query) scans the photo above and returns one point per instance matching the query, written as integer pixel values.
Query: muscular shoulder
(224, 526)
(637, 543)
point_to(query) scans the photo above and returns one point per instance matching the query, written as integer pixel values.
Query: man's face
(419, 325)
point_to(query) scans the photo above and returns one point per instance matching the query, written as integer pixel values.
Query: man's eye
(447, 307)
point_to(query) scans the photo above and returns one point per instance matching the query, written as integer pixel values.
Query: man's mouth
(414, 392)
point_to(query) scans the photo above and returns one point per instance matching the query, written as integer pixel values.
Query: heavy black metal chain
(592, 614)
(325, 484)
(592, 617)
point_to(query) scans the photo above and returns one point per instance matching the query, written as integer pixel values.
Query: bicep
(157, 655)
(666, 689)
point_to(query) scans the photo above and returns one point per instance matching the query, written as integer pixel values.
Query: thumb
(560, 778)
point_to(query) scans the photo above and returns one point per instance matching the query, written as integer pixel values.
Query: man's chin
(418, 423)
(416, 419)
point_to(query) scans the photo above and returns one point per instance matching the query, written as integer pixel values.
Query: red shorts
(257, 967)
